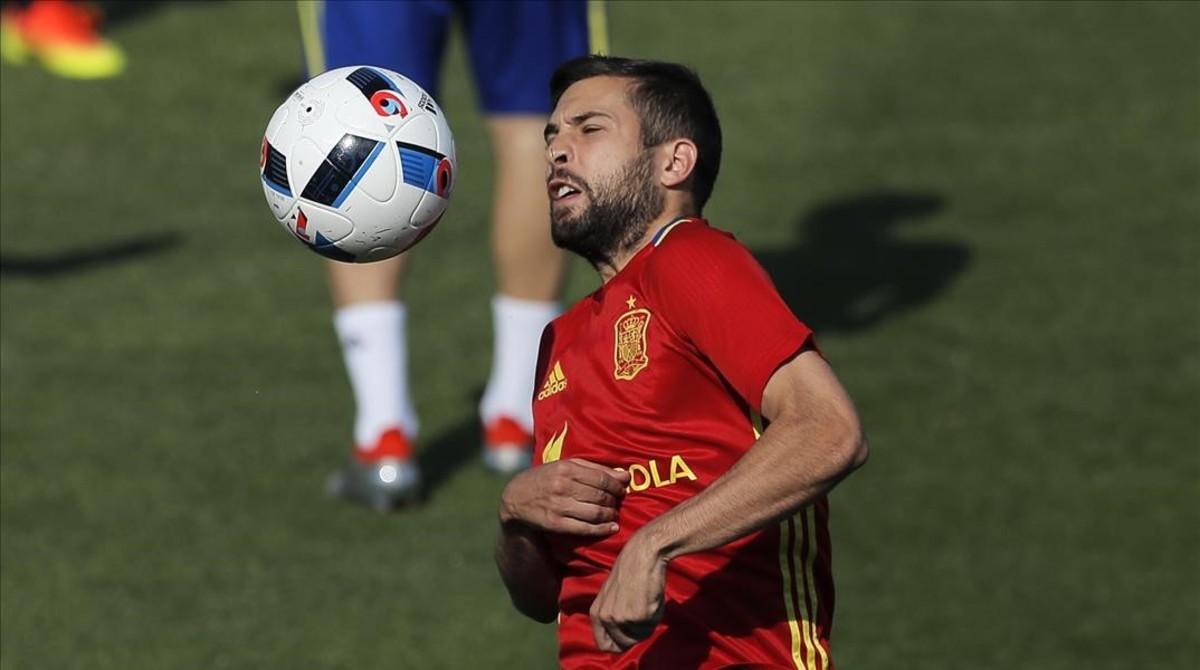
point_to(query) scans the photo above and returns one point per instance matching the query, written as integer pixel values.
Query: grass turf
(988, 210)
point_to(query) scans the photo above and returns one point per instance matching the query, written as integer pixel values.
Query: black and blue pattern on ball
(369, 81)
(420, 167)
(274, 172)
(328, 249)
(382, 93)
(346, 163)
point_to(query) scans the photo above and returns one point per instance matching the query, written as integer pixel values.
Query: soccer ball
(358, 164)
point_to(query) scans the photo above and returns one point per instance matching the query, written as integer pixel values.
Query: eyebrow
(552, 128)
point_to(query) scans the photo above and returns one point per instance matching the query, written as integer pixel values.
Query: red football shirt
(659, 372)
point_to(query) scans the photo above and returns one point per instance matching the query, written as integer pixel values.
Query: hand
(574, 496)
(630, 603)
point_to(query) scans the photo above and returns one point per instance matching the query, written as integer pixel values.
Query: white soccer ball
(358, 164)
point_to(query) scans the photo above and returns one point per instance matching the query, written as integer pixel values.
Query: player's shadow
(116, 12)
(78, 260)
(851, 270)
(450, 450)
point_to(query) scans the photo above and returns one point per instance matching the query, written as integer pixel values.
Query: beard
(618, 212)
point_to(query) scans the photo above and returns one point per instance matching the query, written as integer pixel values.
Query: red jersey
(659, 372)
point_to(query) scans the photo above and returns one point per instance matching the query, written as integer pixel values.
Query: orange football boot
(383, 477)
(507, 447)
(64, 36)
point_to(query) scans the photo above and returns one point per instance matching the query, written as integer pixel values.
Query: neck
(609, 270)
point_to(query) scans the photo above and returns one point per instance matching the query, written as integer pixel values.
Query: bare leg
(528, 265)
(529, 273)
(351, 283)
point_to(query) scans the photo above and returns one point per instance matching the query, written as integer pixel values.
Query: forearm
(531, 579)
(791, 465)
(574, 497)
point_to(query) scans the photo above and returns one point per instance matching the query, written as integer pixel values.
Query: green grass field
(989, 211)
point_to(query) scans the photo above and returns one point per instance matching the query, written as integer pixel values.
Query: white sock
(375, 348)
(517, 330)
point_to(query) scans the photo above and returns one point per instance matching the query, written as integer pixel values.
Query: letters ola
(642, 477)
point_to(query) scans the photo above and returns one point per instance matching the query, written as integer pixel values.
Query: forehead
(603, 94)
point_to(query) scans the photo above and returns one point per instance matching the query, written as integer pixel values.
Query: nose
(556, 152)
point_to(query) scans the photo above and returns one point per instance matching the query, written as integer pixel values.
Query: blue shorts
(514, 46)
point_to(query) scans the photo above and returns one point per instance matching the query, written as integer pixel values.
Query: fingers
(613, 636)
(596, 497)
(573, 496)
(610, 480)
(569, 526)
(590, 513)
(600, 635)
(586, 519)
(620, 474)
(619, 622)
(603, 640)
(589, 486)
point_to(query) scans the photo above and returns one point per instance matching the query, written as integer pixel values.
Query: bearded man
(688, 428)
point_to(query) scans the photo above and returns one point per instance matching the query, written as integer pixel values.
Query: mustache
(571, 178)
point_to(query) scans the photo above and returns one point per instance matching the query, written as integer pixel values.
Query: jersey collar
(662, 232)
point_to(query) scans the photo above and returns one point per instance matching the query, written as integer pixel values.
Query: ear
(680, 157)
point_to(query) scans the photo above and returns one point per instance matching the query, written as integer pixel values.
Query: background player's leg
(515, 46)
(528, 265)
(529, 272)
(370, 316)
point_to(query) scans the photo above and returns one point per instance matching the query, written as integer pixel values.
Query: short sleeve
(713, 293)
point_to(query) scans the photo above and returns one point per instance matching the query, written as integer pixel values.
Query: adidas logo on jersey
(556, 381)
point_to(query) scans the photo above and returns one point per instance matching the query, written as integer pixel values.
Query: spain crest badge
(629, 348)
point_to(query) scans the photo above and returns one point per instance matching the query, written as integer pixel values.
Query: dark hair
(670, 102)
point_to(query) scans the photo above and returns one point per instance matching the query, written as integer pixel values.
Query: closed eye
(587, 130)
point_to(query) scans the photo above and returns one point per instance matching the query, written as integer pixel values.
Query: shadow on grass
(448, 452)
(78, 260)
(851, 271)
(116, 12)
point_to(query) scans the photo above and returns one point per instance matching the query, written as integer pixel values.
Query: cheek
(602, 165)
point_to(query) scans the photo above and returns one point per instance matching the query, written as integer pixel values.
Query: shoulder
(571, 319)
(693, 244)
(571, 315)
(702, 266)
